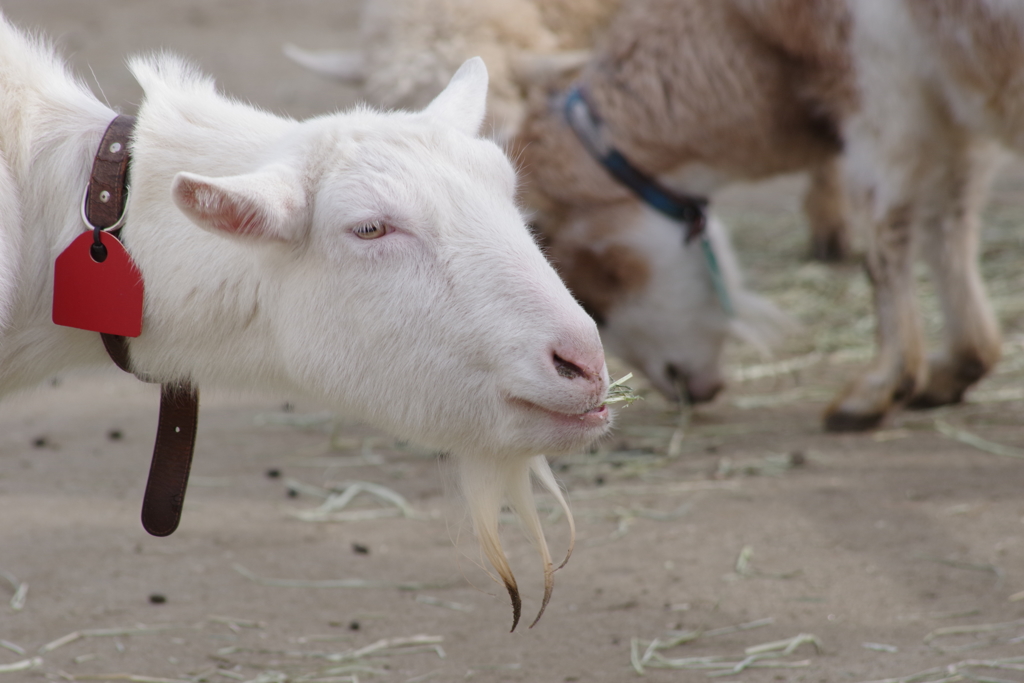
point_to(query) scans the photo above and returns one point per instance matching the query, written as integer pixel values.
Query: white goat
(377, 262)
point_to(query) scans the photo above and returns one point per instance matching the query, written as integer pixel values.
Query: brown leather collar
(108, 185)
(103, 208)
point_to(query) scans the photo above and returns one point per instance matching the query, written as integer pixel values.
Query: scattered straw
(778, 398)
(280, 677)
(438, 602)
(975, 441)
(757, 656)
(652, 489)
(386, 647)
(973, 629)
(340, 495)
(675, 442)
(104, 633)
(787, 646)
(20, 589)
(350, 670)
(16, 649)
(960, 671)
(392, 646)
(236, 624)
(884, 435)
(771, 465)
(133, 678)
(971, 566)
(775, 369)
(998, 395)
(879, 647)
(625, 516)
(743, 567)
(337, 583)
(23, 665)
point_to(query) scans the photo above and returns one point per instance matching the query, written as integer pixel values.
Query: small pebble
(273, 473)
(157, 598)
(360, 549)
(292, 493)
(40, 442)
(115, 435)
(353, 626)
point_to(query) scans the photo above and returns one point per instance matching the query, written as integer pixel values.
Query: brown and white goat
(701, 92)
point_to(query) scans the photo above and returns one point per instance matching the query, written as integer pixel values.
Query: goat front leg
(899, 365)
(951, 231)
(827, 214)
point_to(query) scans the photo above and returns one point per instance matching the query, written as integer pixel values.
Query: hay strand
(975, 441)
(20, 589)
(618, 392)
(336, 583)
(23, 665)
(340, 495)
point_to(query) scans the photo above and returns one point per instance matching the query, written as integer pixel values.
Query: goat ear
(531, 68)
(261, 205)
(463, 103)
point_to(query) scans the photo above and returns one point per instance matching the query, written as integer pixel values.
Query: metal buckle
(120, 220)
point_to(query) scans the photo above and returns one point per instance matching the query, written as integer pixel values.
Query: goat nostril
(566, 369)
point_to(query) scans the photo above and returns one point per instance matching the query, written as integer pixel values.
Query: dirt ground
(898, 551)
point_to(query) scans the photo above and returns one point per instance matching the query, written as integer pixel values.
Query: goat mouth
(595, 417)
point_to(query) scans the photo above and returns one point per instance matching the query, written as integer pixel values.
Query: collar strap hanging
(103, 209)
(688, 210)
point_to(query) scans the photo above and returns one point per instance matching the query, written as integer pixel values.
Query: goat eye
(371, 231)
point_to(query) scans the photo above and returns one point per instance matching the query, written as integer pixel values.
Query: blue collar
(688, 210)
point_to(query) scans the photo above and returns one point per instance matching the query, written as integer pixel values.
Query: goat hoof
(948, 381)
(839, 421)
(933, 399)
(936, 394)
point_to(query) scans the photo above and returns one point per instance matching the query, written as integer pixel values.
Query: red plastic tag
(101, 296)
